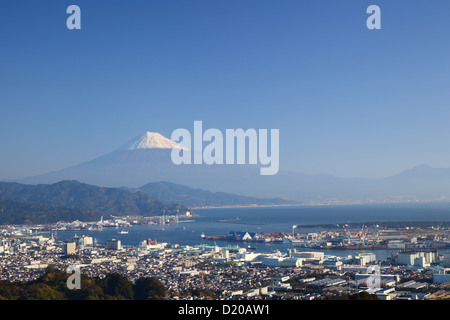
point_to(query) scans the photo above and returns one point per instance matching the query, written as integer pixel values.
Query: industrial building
(313, 255)
(441, 277)
(273, 261)
(409, 257)
(363, 259)
(385, 279)
(247, 256)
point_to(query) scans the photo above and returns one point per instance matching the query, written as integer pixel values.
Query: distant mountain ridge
(174, 193)
(148, 159)
(19, 213)
(73, 194)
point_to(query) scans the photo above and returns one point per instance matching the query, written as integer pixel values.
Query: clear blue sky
(348, 101)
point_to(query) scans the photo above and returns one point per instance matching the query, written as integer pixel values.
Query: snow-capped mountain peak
(151, 140)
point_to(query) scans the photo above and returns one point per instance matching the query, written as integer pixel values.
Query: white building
(247, 256)
(363, 259)
(280, 286)
(353, 268)
(396, 244)
(69, 248)
(191, 273)
(282, 262)
(408, 257)
(313, 255)
(84, 241)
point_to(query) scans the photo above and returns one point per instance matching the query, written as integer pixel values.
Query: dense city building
(214, 272)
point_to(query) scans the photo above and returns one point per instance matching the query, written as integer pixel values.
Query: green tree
(118, 286)
(149, 289)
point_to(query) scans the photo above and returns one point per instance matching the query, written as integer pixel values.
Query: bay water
(219, 221)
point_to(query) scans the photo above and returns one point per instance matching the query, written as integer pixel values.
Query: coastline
(317, 204)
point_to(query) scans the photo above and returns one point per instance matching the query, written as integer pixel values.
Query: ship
(123, 232)
(280, 240)
(230, 220)
(203, 236)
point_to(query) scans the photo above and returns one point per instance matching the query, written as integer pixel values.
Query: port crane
(363, 234)
(293, 230)
(162, 220)
(100, 224)
(347, 232)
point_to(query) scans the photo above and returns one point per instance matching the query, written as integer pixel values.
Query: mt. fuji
(144, 159)
(151, 140)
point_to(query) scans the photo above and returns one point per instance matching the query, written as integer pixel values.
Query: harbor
(363, 239)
